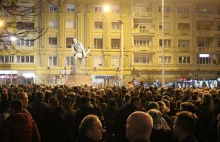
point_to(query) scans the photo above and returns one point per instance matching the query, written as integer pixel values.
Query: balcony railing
(208, 49)
(166, 15)
(184, 16)
(216, 33)
(203, 16)
(143, 15)
(184, 32)
(143, 31)
(216, 16)
(143, 48)
(166, 32)
(183, 49)
(203, 33)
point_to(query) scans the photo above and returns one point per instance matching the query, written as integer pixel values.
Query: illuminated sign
(104, 77)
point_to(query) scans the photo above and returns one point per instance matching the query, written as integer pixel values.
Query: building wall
(141, 22)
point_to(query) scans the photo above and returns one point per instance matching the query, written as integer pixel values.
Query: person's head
(74, 40)
(188, 106)
(91, 127)
(153, 105)
(206, 98)
(53, 103)
(15, 106)
(39, 96)
(136, 102)
(23, 97)
(85, 102)
(158, 121)
(4, 96)
(162, 106)
(66, 102)
(184, 125)
(139, 125)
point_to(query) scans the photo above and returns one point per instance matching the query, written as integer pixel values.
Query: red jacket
(22, 128)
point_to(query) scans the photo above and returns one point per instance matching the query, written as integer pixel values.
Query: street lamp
(163, 68)
(13, 39)
(106, 9)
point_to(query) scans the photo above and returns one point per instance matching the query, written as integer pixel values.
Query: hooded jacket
(22, 128)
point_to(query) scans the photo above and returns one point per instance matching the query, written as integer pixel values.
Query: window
(98, 62)
(116, 25)
(98, 25)
(53, 24)
(70, 25)
(69, 42)
(6, 59)
(142, 43)
(167, 59)
(167, 26)
(183, 26)
(184, 60)
(52, 8)
(184, 10)
(204, 59)
(98, 43)
(25, 59)
(203, 10)
(167, 9)
(70, 7)
(167, 42)
(183, 43)
(52, 42)
(52, 61)
(25, 42)
(25, 25)
(98, 8)
(116, 9)
(203, 43)
(142, 59)
(115, 43)
(69, 60)
(115, 62)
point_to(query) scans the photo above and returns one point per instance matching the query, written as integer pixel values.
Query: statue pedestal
(78, 78)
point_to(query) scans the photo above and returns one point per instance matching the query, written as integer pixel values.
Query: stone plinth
(78, 77)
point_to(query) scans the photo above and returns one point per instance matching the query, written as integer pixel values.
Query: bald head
(139, 126)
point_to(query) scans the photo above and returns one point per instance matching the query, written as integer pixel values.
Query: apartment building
(131, 30)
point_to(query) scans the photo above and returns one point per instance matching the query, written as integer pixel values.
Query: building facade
(127, 39)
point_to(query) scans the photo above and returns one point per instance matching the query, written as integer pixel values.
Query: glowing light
(106, 8)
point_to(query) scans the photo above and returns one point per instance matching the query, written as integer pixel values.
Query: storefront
(17, 77)
(105, 80)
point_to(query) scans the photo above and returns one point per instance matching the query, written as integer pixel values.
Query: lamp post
(163, 67)
(106, 9)
(13, 39)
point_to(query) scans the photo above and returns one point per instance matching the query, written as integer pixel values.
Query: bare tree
(149, 76)
(18, 21)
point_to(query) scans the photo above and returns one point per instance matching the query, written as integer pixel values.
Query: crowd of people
(34, 113)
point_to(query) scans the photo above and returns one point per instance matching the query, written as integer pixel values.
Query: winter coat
(21, 128)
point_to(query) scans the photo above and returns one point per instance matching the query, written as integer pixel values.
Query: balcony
(206, 49)
(184, 32)
(203, 16)
(203, 33)
(143, 15)
(216, 33)
(184, 49)
(144, 31)
(166, 32)
(166, 15)
(216, 16)
(184, 16)
(143, 48)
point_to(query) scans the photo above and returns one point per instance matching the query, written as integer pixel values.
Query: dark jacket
(189, 138)
(85, 139)
(121, 120)
(21, 128)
